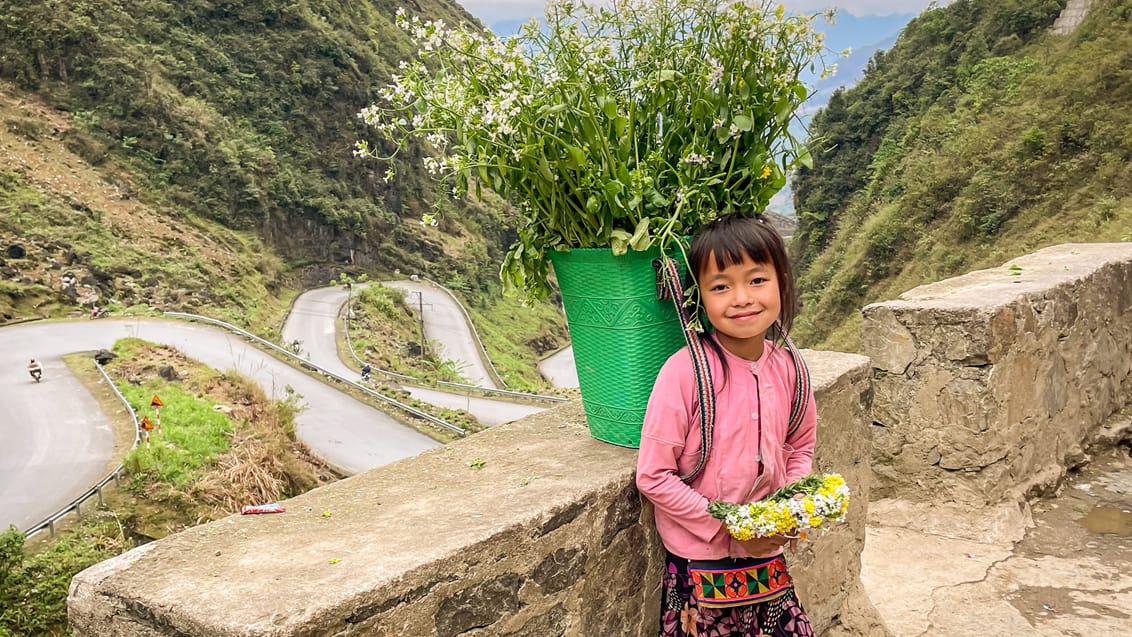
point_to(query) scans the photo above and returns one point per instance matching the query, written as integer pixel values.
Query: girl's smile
(741, 301)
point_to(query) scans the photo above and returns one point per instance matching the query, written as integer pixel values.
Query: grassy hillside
(197, 156)
(63, 220)
(223, 445)
(977, 138)
(243, 113)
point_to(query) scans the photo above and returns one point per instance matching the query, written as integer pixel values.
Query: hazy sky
(496, 10)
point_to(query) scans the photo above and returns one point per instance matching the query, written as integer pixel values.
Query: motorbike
(36, 374)
(100, 313)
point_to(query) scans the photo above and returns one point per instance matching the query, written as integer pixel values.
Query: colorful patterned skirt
(681, 616)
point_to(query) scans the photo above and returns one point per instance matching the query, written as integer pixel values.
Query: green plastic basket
(621, 334)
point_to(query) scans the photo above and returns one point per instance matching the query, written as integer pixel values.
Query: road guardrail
(326, 372)
(77, 503)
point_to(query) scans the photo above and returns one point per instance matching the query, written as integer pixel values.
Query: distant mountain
(978, 137)
(863, 36)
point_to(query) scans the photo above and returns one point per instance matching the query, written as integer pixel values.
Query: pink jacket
(755, 393)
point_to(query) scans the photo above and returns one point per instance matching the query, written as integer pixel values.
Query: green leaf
(725, 158)
(620, 126)
(610, 108)
(574, 157)
(640, 238)
(743, 123)
(619, 241)
(805, 158)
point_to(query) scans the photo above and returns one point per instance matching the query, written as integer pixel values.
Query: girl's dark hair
(735, 236)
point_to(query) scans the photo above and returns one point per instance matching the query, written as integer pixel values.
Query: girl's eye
(719, 287)
(757, 280)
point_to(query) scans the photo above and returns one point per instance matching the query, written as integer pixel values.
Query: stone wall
(528, 529)
(989, 384)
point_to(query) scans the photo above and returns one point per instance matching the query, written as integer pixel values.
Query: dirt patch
(1088, 522)
(41, 154)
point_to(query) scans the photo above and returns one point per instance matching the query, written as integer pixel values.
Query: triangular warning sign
(146, 424)
(156, 402)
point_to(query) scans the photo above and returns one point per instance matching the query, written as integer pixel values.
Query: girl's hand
(764, 545)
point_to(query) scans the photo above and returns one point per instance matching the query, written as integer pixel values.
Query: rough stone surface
(1071, 16)
(1054, 567)
(1008, 371)
(549, 537)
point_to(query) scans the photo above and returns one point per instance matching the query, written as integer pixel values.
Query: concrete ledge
(530, 528)
(989, 384)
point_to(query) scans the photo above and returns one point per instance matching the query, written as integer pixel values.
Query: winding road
(55, 442)
(313, 320)
(558, 368)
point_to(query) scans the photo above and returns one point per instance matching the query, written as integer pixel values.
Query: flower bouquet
(809, 503)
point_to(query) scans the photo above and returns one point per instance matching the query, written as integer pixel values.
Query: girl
(746, 290)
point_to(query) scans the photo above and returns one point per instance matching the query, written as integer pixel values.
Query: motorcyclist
(35, 369)
(366, 369)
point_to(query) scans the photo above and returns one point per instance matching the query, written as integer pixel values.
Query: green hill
(978, 137)
(234, 117)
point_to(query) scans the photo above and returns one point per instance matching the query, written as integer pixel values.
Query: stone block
(532, 529)
(1014, 368)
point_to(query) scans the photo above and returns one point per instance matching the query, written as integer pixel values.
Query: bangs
(730, 246)
(732, 239)
(731, 249)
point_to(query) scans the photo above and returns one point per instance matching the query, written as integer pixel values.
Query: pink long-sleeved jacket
(752, 415)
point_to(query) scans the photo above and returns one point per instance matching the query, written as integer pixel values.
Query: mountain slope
(243, 112)
(979, 137)
(75, 235)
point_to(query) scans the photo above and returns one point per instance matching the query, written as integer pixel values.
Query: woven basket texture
(621, 334)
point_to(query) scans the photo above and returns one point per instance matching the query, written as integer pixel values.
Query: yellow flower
(816, 521)
(765, 173)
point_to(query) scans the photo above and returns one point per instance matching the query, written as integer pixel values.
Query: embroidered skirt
(681, 616)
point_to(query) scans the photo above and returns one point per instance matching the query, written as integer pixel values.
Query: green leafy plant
(624, 127)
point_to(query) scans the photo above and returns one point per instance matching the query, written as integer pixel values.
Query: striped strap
(801, 386)
(668, 287)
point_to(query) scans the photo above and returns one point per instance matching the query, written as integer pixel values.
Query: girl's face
(742, 301)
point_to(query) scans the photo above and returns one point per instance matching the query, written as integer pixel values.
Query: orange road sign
(146, 424)
(156, 402)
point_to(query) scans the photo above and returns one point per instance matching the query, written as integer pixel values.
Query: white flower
(715, 75)
(696, 158)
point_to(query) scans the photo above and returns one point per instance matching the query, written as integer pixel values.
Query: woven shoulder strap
(668, 286)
